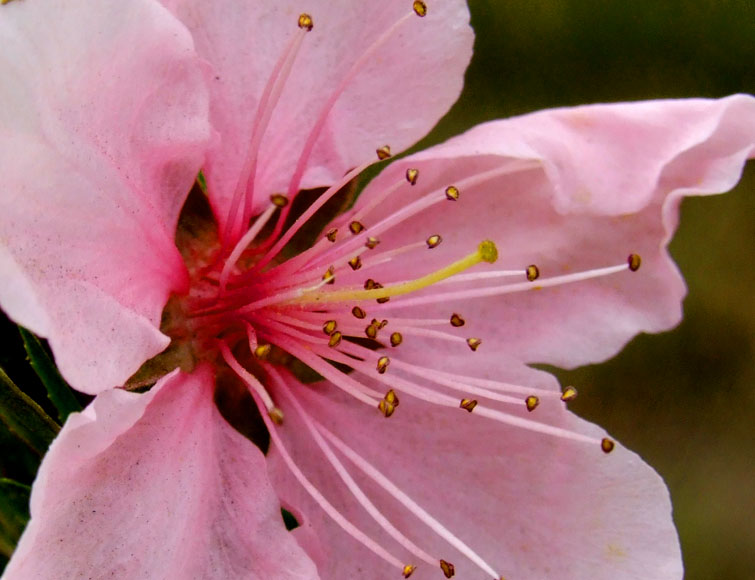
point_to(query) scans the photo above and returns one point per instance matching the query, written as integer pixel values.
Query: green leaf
(14, 513)
(24, 417)
(58, 390)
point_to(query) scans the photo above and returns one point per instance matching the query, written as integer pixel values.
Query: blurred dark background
(684, 400)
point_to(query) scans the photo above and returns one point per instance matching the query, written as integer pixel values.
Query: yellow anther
(262, 351)
(390, 397)
(408, 569)
(420, 8)
(279, 200)
(607, 445)
(332, 234)
(396, 339)
(355, 263)
(569, 394)
(457, 321)
(433, 241)
(382, 364)
(371, 243)
(468, 404)
(330, 275)
(486, 252)
(474, 343)
(384, 152)
(329, 327)
(386, 408)
(532, 402)
(335, 339)
(452, 193)
(412, 175)
(532, 272)
(381, 324)
(634, 262)
(358, 313)
(356, 227)
(371, 331)
(276, 415)
(448, 569)
(305, 21)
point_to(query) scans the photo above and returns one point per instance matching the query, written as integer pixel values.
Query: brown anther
(358, 313)
(569, 394)
(532, 272)
(468, 404)
(332, 234)
(383, 324)
(371, 331)
(329, 327)
(355, 263)
(356, 227)
(262, 351)
(433, 241)
(370, 284)
(279, 200)
(390, 397)
(382, 364)
(448, 569)
(276, 415)
(384, 152)
(396, 339)
(335, 339)
(330, 275)
(457, 321)
(607, 445)
(383, 300)
(386, 408)
(412, 175)
(371, 243)
(452, 193)
(305, 21)
(532, 402)
(634, 262)
(408, 569)
(420, 8)
(474, 343)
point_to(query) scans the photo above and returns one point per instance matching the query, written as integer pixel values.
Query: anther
(276, 415)
(371, 243)
(532, 272)
(370, 284)
(332, 234)
(330, 275)
(412, 175)
(634, 262)
(457, 321)
(305, 21)
(358, 313)
(371, 331)
(279, 200)
(390, 397)
(335, 339)
(262, 351)
(607, 445)
(329, 327)
(408, 569)
(396, 339)
(569, 394)
(381, 324)
(420, 8)
(452, 193)
(356, 227)
(386, 408)
(448, 569)
(382, 364)
(384, 152)
(433, 241)
(468, 404)
(355, 263)
(474, 343)
(532, 402)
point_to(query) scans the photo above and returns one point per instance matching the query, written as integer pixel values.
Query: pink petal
(396, 97)
(579, 189)
(531, 505)
(171, 487)
(102, 132)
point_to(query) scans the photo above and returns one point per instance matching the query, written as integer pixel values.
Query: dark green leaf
(24, 417)
(58, 390)
(14, 513)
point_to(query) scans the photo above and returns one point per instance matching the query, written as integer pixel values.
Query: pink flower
(111, 108)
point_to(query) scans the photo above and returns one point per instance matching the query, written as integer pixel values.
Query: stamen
(468, 404)
(382, 364)
(532, 273)
(242, 245)
(251, 382)
(330, 327)
(358, 313)
(332, 234)
(279, 200)
(634, 261)
(607, 445)
(532, 402)
(420, 8)
(356, 227)
(448, 569)
(408, 569)
(396, 339)
(412, 175)
(305, 21)
(383, 152)
(569, 394)
(371, 243)
(452, 193)
(457, 321)
(433, 241)
(474, 343)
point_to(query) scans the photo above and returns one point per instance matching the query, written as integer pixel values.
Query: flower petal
(575, 189)
(396, 97)
(102, 131)
(531, 505)
(176, 491)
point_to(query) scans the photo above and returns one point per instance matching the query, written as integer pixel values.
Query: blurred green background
(684, 400)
